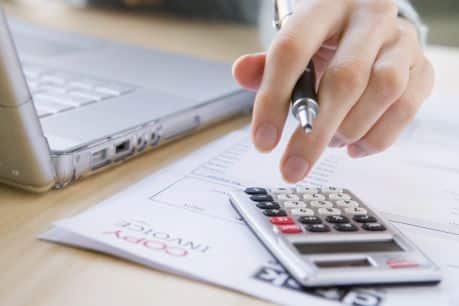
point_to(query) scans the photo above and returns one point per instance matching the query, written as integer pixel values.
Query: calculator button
(268, 205)
(356, 211)
(398, 264)
(313, 196)
(309, 220)
(290, 229)
(373, 227)
(300, 189)
(347, 203)
(275, 213)
(288, 197)
(321, 204)
(337, 219)
(262, 198)
(282, 220)
(329, 211)
(294, 204)
(339, 196)
(318, 228)
(331, 189)
(283, 190)
(364, 219)
(346, 227)
(302, 212)
(255, 190)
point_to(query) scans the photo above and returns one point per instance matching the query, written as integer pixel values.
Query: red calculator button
(399, 264)
(282, 220)
(290, 229)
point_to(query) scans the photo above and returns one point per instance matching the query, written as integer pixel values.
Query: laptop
(72, 105)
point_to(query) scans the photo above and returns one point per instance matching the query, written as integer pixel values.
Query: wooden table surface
(43, 274)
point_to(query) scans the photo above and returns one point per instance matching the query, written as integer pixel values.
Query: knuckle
(389, 81)
(407, 28)
(287, 44)
(264, 100)
(380, 7)
(346, 76)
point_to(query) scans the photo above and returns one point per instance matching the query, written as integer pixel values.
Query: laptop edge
(26, 160)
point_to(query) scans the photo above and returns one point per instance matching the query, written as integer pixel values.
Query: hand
(372, 79)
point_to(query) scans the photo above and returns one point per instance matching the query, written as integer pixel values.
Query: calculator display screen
(347, 247)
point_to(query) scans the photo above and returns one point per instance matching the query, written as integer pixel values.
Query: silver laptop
(72, 105)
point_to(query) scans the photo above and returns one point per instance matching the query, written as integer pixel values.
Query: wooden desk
(43, 274)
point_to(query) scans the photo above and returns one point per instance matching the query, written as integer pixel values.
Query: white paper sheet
(180, 220)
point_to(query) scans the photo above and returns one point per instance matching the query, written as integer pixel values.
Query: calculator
(328, 237)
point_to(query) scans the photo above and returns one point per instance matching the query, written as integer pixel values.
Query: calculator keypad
(313, 210)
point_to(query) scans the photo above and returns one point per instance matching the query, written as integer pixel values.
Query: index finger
(290, 52)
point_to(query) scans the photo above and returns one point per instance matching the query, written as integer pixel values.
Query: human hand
(372, 79)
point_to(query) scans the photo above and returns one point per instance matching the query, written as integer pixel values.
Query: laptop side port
(99, 159)
(122, 147)
(122, 150)
(154, 139)
(141, 143)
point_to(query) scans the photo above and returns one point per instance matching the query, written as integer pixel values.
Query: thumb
(248, 70)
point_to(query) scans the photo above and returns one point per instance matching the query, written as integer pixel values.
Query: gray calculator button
(283, 190)
(301, 189)
(268, 205)
(347, 203)
(337, 219)
(318, 228)
(321, 204)
(331, 189)
(288, 197)
(373, 227)
(346, 227)
(262, 198)
(364, 219)
(255, 190)
(294, 204)
(302, 212)
(356, 211)
(313, 196)
(275, 213)
(329, 211)
(309, 220)
(339, 196)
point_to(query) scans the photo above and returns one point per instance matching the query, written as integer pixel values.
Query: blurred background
(442, 17)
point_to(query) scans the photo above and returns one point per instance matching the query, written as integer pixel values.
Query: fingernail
(295, 168)
(336, 142)
(356, 151)
(266, 137)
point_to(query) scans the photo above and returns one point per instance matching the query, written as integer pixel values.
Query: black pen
(304, 96)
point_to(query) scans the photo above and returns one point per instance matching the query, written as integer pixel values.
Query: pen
(304, 96)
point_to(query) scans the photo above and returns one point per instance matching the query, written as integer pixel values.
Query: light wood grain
(43, 274)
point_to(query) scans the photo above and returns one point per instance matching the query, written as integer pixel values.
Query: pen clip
(282, 10)
(276, 20)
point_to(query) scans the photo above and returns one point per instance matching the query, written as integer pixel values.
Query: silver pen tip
(305, 118)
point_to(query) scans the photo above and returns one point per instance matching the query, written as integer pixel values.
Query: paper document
(180, 220)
